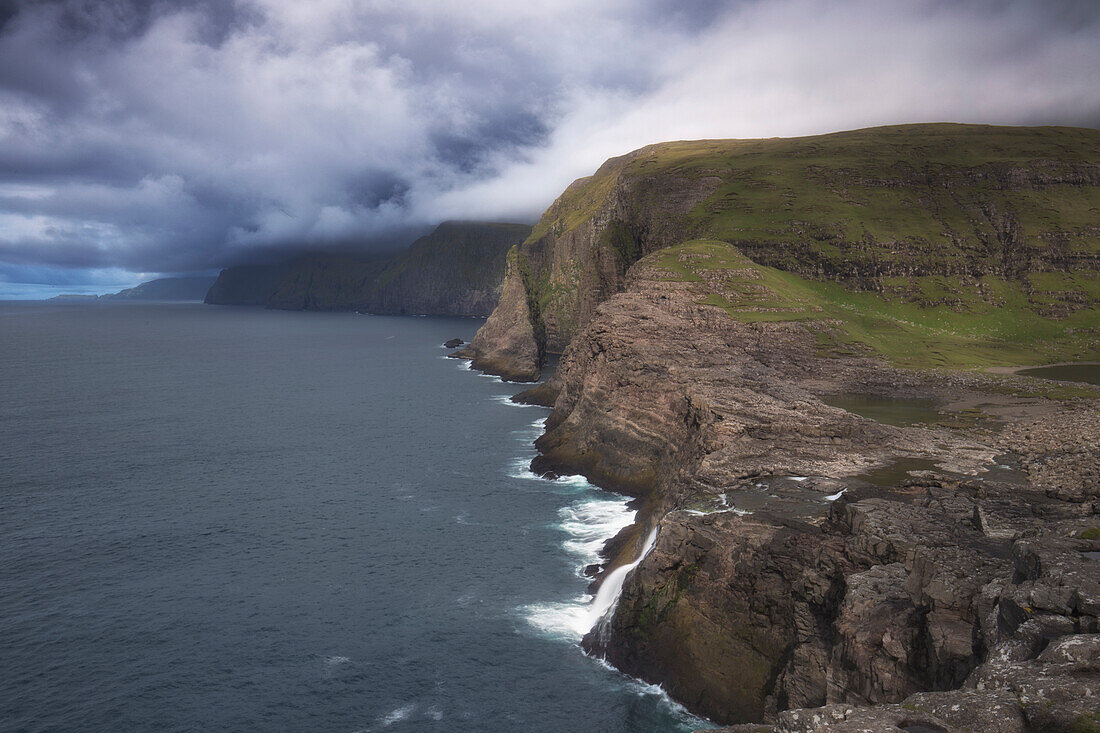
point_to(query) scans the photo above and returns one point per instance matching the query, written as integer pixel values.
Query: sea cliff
(815, 568)
(458, 269)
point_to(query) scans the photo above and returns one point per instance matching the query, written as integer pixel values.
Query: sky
(141, 138)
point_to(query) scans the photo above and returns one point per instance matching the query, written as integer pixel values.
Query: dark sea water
(236, 519)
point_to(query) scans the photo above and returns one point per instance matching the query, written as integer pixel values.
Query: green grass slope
(993, 323)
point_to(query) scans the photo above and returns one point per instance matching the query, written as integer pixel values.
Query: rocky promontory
(930, 566)
(790, 570)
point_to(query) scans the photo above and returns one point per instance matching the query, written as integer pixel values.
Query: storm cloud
(183, 135)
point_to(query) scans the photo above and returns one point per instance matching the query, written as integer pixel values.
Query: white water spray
(603, 605)
(591, 523)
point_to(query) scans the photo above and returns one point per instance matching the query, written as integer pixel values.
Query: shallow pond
(894, 473)
(887, 410)
(1088, 373)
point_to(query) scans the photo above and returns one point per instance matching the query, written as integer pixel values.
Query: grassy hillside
(969, 244)
(992, 323)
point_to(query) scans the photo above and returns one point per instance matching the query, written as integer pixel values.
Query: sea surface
(217, 518)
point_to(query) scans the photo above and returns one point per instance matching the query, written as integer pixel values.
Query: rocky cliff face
(506, 345)
(893, 210)
(761, 595)
(456, 270)
(811, 562)
(245, 285)
(325, 283)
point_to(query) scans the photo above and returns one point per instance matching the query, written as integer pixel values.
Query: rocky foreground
(801, 574)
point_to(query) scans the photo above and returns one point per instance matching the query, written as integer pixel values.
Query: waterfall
(603, 605)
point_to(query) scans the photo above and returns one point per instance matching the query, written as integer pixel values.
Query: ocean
(217, 518)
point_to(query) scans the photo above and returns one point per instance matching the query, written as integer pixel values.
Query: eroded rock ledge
(954, 598)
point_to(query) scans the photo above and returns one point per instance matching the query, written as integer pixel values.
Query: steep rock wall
(889, 591)
(506, 345)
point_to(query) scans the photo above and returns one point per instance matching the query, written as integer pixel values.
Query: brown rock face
(888, 591)
(506, 344)
(1055, 691)
(658, 382)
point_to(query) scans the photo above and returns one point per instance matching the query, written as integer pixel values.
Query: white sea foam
(589, 524)
(532, 431)
(644, 689)
(576, 481)
(521, 468)
(565, 619)
(507, 400)
(837, 495)
(397, 715)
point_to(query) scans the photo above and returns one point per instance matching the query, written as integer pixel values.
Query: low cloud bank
(188, 135)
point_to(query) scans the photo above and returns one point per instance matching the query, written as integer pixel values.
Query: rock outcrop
(166, 288)
(1052, 691)
(895, 593)
(506, 344)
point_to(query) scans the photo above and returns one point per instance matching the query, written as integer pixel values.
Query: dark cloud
(181, 135)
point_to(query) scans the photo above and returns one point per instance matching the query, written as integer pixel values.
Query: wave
(507, 400)
(396, 715)
(588, 524)
(591, 523)
(645, 689)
